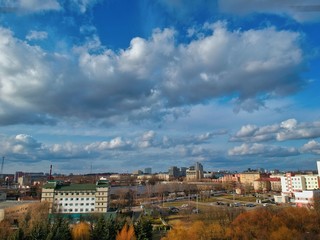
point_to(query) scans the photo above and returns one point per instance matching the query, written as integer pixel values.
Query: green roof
(76, 187)
(60, 186)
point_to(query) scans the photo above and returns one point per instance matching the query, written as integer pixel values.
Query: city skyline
(115, 86)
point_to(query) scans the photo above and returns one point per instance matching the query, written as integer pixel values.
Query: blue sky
(122, 85)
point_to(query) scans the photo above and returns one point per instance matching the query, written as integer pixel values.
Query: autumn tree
(126, 233)
(34, 223)
(5, 229)
(81, 231)
(254, 225)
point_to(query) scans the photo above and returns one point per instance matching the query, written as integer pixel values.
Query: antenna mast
(1, 171)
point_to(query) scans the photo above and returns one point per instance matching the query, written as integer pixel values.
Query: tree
(104, 229)
(284, 233)
(255, 225)
(81, 231)
(126, 233)
(5, 229)
(59, 230)
(143, 229)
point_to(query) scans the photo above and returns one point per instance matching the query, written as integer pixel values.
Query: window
(87, 198)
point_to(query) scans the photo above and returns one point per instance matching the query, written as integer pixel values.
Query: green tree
(100, 230)
(59, 230)
(143, 229)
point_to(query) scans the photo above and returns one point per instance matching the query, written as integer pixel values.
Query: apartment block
(76, 198)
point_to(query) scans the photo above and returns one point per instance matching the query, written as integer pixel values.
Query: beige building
(247, 178)
(76, 198)
(11, 210)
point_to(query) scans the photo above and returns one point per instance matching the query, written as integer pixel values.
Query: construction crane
(1, 171)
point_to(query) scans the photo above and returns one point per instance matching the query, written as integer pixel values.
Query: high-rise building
(195, 172)
(148, 170)
(174, 171)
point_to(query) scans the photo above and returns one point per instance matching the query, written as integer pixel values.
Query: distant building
(137, 172)
(3, 196)
(183, 171)
(76, 198)
(12, 210)
(306, 198)
(296, 183)
(174, 172)
(195, 172)
(248, 178)
(148, 170)
(163, 176)
(267, 184)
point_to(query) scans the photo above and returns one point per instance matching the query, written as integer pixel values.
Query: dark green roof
(76, 187)
(60, 186)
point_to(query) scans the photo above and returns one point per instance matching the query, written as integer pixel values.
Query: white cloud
(152, 78)
(307, 10)
(115, 143)
(257, 149)
(287, 130)
(311, 147)
(36, 35)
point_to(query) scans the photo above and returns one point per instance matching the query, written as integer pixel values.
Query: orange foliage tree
(126, 233)
(81, 231)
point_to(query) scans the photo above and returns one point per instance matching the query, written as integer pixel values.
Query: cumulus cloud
(113, 144)
(262, 150)
(36, 35)
(150, 79)
(21, 146)
(311, 147)
(307, 10)
(287, 130)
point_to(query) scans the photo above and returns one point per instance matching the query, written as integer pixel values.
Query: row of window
(76, 204)
(74, 193)
(77, 210)
(76, 199)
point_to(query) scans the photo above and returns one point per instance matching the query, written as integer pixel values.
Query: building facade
(76, 198)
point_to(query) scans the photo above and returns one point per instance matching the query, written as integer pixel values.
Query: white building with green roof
(76, 198)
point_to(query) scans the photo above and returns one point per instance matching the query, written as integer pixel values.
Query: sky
(121, 85)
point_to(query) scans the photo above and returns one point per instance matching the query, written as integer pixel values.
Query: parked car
(250, 205)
